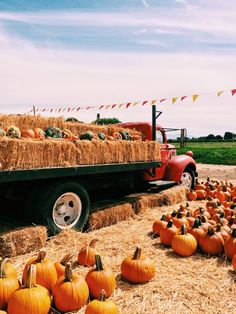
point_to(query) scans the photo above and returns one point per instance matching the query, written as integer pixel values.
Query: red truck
(60, 197)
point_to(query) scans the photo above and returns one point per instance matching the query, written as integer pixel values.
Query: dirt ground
(218, 172)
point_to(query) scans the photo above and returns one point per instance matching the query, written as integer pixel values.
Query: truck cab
(178, 168)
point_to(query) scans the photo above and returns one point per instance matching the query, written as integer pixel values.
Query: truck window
(159, 137)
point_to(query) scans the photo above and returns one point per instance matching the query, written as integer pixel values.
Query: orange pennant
(135, 103)
(220, 93)
(153, 102)
(195, 97)
(174, 99)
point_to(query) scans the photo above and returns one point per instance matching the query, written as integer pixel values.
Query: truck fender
(176, 165)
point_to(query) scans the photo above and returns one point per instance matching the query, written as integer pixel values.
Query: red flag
(183, 97)
(129, 103)
(233, 91)
(78, 108)
(68, 109)
(113, 106)
(144, 102)
(101, 107)
(163, 99)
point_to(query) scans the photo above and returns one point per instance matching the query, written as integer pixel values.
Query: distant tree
(210, 137)
(107, 121)
(228, 136)
(219, 137)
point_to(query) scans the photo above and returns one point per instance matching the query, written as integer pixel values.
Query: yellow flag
(195, 97)
(153, 102)
(174, 99)
(135, 103)
(220, 93)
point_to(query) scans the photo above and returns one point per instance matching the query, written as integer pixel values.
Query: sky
(79, 53)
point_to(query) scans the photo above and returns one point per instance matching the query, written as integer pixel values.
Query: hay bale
(30, 122)
(165, 198)
(27, 153)
(22, 241)
(109, 216)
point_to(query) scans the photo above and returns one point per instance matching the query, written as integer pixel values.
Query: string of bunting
(129, 104)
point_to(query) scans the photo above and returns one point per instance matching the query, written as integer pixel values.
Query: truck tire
(60, 206)
(188, 178)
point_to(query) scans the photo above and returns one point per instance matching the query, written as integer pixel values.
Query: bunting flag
(233, 91)
(174, 99)
(195, 97)
(127, 105)
(220, 93)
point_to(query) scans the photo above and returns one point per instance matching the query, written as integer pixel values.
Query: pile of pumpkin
(56, 286)
(211, 228)
(57, 133)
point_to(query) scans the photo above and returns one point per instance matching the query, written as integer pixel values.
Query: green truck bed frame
(59, 172)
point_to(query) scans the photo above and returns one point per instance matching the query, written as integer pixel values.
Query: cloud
(145, 3)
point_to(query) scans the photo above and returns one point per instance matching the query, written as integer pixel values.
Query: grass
(221, 153)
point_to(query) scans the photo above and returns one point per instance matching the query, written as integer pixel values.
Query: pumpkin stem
(92, 243)
(30, 281)
(218, 227)
(196, 223)
(170, 224)
(103, 295)
(98, 262)
(210, 231)
(183, 230)
(163, 217)
(68, 272)
(67, 258)
(233, 233)
(174, 213)
(41, 255)
(2, 268)
(137, 253)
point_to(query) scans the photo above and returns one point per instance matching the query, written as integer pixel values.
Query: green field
(223, 153)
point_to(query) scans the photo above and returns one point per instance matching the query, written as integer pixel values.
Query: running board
(159, 185)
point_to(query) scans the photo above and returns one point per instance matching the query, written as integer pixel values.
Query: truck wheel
(188, 178)
(60, 206)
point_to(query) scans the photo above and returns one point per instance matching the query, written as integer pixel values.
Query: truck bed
(81, 170)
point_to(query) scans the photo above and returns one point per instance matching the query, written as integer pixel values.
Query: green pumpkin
(72, 119)
(101, 136)
(87, 136)
(13, 131)
(125, 135)
(2, 132)
(53, 132)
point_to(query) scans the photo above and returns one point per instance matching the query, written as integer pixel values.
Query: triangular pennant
(68, 109)
(183, 97)
(195, 97)
(233, 91)
(113, 106)
(174, 99)
(121, 105)
(153, 102)
(163, 99)
(89, 107)
(108, 106)
(127, 105)
(144, 102)
(77, 109)
(220, 93)
(101, 107)
(135, 103)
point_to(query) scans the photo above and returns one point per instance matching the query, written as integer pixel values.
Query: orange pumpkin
(196, 231)
(86, 255)
(30, 298)
(60, 266)
(101, 306)
(201, 194)
(46, 274)
(70, 292)
(9, 269)
(230, 245)
(183, 243)
(100, 278)
(27, 133)
(8, 284)
(138, 268)
(211, 243)
(167, 233)
(234, 262)
(192, 195)
(116, 136)
(158, 224)
(39, 133)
